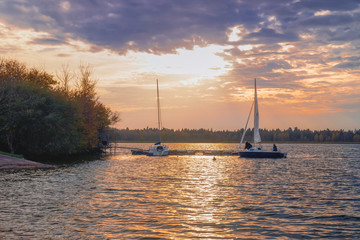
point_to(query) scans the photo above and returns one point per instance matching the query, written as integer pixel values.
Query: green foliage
(38, 119)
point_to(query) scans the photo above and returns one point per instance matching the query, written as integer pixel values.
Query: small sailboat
(158, 149)
(253, 151)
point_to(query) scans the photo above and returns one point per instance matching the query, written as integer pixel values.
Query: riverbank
(8, 162)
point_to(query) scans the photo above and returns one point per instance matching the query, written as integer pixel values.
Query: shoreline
(9, 163)
(277, 142)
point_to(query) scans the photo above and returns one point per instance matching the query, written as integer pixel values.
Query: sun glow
(202, 62)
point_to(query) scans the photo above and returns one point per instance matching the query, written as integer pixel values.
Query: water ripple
(306, 196)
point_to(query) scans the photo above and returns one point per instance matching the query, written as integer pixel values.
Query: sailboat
(253, 151)
(158, 149)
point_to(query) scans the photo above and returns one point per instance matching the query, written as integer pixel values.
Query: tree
(39, 116)
(39, 78)
(11, 71)
(96, 117)
(38, 121)
(64, 77)
(11, 106)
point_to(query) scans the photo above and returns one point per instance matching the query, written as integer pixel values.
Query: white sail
(253, 151)
(257, 137)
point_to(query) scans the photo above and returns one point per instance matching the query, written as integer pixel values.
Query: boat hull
(139, 152)
(160, 150)
(262, 154)
(157, 154)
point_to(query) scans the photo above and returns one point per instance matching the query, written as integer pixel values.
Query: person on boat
(275, 148)
(248, 145)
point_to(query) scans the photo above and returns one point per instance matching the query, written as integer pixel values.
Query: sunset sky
(305, 55)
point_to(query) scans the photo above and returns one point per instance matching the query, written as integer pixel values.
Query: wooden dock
(114, 148)
(138, 151)
(191, 152)
(204, 152)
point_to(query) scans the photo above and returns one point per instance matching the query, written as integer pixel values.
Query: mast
(257, 137)
(158, 107)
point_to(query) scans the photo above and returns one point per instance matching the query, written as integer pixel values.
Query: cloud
(150, 26)
(267, 35)
(277, 65)
(48, 41)
(333, 5)
(163, 26)
(348, 65)
(328, 20)
(206, 52)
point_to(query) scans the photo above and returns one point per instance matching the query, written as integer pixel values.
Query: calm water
(314, 193)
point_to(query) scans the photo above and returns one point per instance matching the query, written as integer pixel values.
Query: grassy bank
(12, 155)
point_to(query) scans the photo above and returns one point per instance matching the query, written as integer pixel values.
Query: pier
(191, 152)
(113, 149)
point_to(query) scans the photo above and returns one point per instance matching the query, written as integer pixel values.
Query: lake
(312, 194)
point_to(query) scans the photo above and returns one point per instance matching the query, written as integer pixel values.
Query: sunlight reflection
(184, 196)
(204, 209)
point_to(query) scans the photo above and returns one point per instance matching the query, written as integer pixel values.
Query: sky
(305, 55)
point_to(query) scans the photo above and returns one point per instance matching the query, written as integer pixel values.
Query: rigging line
(245, 129)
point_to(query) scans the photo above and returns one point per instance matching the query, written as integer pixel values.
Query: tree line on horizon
(209, 135)
(42, 114)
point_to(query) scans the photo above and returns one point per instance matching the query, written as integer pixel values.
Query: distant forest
(209, 135)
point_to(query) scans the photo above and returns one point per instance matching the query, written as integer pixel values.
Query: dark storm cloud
(162, 26)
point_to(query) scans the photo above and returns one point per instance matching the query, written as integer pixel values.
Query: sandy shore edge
(8, 162)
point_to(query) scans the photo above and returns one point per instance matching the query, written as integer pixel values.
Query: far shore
(9, 162)
(276, 142)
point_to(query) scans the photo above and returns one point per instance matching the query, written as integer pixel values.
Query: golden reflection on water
(189, 197)
(186, 197)
(179, 195)
(203, 209)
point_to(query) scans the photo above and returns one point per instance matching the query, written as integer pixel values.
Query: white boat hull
(158, 151)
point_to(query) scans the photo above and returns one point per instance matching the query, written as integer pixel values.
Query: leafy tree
(11, 71)
(96, 117)
(37, 121)
(39, 116)
(40, 78)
